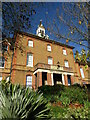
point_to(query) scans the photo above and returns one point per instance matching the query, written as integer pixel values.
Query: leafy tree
(83, 57)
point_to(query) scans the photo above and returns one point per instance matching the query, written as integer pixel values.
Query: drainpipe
(12, 59)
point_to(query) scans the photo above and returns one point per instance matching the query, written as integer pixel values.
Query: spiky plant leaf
(22, 103)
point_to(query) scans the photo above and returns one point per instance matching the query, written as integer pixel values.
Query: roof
(43, 39)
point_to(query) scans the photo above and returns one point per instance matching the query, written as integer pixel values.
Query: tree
(75, 18)
(83, 57)
(16, 16)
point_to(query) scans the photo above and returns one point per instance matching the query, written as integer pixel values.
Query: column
(49, 80)
(72, 79)
(52, 79)
(33, 82)
(66, 80)
(39, 79)
(63, 81)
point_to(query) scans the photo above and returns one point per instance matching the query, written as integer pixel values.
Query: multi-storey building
(38, 61)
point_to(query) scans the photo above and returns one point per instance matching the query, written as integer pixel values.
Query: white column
(52, 78)
(63, 82)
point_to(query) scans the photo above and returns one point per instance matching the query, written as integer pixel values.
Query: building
(36, 60)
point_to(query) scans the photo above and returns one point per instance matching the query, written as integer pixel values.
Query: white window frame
(0, 78)
(66, 63)
(64, 51)
(29, 59)
(29, 81)
(50, 60)
(49, 48)
(30, 43)
(82, 72)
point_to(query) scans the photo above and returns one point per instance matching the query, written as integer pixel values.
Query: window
(69, 79)
(5, 47)
(48, 47)
(50, 61)
(42, 32)
(2, 61)
(29, 81)
(29, 60)
(30, 43)
(66, 63)
(64, 51)
(0, 78)
(82, 73)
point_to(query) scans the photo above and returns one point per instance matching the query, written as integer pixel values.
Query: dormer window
(49, 48)
(30, 43)
(64, 51)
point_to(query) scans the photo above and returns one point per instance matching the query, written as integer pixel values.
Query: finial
(40, 22)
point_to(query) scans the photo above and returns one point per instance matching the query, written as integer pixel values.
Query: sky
(46, 13)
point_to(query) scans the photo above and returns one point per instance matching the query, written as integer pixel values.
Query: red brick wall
(72, 79)
(66, 80)
(39, 79)
(49, 81)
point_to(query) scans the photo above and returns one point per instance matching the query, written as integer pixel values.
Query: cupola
(40, 30)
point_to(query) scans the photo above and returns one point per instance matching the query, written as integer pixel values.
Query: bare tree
(75, 18)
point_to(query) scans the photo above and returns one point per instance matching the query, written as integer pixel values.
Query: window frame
(29, 43)
(49, 49)
(0, 78)
(52, 60)
(64, 51)
(27, 81)
(29, 65)
(83, 76)
(65, 64)
(2, 62)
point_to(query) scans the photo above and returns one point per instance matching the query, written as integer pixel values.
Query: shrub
(67, 95)
(22, 103)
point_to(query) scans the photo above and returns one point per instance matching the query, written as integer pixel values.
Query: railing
(52, 67)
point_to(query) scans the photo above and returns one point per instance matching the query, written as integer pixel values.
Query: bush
(51, 93)
(66, 95)
(22, 103)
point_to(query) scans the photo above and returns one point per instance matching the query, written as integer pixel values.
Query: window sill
(65, 54)
(2, 67)
(29, 66)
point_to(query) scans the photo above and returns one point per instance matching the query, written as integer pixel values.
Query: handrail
(51, 67)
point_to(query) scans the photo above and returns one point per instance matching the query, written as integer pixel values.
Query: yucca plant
(22, 103)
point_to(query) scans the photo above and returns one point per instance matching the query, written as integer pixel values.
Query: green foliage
(58, 112)
(22, 103)
(66, 95)
(73, 94)
(83, 56)
(51, 93)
